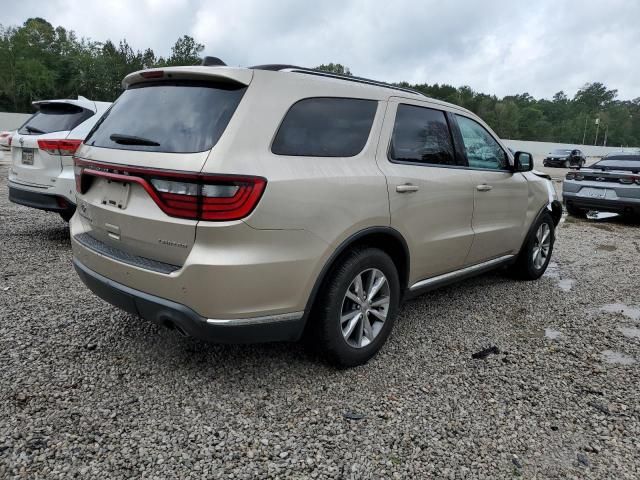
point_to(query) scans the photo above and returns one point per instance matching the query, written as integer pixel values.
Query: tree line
(39, 61)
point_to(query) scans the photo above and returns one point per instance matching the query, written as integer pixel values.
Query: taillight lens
(9, 140)
(59, 147)
(185, 195)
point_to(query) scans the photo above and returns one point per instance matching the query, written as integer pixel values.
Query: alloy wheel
(365, 307)
(541, 246)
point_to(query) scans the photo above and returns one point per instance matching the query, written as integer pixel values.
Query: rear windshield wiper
(132, 140)
(34, 129)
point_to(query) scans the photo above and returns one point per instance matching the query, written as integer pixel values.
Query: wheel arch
(386, 239)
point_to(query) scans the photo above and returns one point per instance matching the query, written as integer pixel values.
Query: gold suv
(260, 204)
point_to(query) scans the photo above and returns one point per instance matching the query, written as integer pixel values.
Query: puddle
(566, 284)
(553, 271)
(607, 248)
(610, 356)
(629, 312)
(630, 332)
(552, 334)
(549, 333)
(595, 215)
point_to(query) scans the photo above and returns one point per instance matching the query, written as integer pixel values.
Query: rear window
(172, 117)
(421, 135)
(55, 117)
(325, 127)
(561, 152)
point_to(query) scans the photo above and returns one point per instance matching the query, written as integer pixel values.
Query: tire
(567, 164)
(574, 211)
(67, 214)
(329, 334)
(525, 267)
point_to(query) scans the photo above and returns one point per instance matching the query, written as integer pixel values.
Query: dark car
(566, 158)
(609, 185)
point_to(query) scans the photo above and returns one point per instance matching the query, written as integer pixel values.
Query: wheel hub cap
(365, 308)
(541, 246)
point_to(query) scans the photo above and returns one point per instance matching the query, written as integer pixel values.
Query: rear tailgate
(37, 163)
(139, 168)
(32, 165)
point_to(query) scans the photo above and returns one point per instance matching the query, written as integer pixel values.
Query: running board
(446, 278)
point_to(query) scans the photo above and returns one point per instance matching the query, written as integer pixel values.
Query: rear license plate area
(116, 194)
(593, 192)
(27, 156)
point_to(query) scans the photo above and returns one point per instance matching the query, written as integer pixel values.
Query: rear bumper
(620, 205)
(39, 200)
(285, 327)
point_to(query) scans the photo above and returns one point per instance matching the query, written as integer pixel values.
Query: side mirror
(523, 162)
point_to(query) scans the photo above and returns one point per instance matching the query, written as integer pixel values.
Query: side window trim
(459, 159)
(464, 150)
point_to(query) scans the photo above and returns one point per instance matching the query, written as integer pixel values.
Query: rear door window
(173, 117)
(55, 117)
(421, 135)
(325, 127)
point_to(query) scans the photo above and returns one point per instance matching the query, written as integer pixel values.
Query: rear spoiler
(81, 102)
(242, 76)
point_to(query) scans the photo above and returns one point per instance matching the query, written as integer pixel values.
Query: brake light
(59, 147)
(153, 74)
(9, 140)
(195, 196)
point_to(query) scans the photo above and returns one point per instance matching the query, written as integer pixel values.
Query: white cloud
(499, 47)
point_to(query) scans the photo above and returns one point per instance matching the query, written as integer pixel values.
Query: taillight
(59, 147)
(9, 140)
(152, 74)
(196, 196)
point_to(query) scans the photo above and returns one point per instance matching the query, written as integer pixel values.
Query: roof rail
(320, 73)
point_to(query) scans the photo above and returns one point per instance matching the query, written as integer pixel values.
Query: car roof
(244, 75)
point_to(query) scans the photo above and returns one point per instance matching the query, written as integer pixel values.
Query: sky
(494, 46)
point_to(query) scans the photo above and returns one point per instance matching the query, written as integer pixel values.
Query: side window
(421, 135)
(325, 127)
(482, 149)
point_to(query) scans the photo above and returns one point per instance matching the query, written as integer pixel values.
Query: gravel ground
(87, 391)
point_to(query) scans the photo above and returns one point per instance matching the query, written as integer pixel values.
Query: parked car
(5, 140)
(258, 204)
(609, 185)
(41, 174)
(565, 158)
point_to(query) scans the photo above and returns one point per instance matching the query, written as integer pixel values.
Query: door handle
(407, 188)
(484, 187)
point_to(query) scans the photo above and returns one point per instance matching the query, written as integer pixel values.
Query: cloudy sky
(495, 46)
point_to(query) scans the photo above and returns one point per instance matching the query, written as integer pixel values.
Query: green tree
(334, 68)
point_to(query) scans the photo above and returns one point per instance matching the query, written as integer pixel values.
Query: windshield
(174, 117)
(628, 163)
(561, 152)
(55, 117)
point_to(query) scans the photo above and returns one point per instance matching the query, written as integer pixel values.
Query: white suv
(41, 174)
(255, 204)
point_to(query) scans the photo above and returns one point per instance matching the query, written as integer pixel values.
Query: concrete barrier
(539, 150)
(11, 121)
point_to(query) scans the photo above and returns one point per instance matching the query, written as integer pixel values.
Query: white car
(41, 174)
(5, 140)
